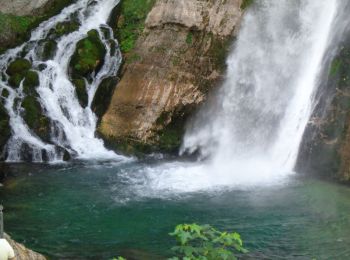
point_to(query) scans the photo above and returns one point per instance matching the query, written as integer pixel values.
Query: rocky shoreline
(23, 253)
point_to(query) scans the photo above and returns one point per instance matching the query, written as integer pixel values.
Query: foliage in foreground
(203, 242)
(197, 242)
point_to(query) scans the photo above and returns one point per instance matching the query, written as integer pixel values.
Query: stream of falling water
(72, 126)
(250, 132)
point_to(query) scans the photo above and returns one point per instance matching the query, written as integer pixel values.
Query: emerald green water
(101, 210)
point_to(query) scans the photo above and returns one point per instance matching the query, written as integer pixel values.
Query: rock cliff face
(22, 7)
(325, 149)
(178, 58)
(22, 253)
(19, 17)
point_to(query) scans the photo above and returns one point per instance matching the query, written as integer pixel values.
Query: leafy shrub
(197, 242)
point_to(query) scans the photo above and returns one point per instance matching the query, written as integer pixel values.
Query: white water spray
(250, 133)
(73, 127)
(261, 111)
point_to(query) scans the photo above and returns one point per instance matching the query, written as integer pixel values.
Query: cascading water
(261, 112)
(249, 133)
(72, 126)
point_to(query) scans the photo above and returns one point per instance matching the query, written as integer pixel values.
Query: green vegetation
(17, 71)
(80, 88)
(336, 64)
(246, 3)
(203, 242)
(87, 58)
(189, 38)
(31, 81)
(66, 27)
(5, 129)
(19, 24)
(131, 22)
(34, 118)
(89, 55)
(14, 29)
(49, 49)
(18, 66)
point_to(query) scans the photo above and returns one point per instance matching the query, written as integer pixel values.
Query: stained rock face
(177, 60)
(218, 17)
(325, 149)
(22, 253)
(21, 7)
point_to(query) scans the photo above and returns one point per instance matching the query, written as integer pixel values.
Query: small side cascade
(48, 96)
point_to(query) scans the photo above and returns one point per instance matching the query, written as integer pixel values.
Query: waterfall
(259, 115)
(72, 126)
(250, 130)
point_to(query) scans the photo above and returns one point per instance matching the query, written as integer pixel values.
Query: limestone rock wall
(21, 7)
(178, 59)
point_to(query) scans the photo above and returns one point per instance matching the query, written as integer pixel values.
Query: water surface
(101, 210)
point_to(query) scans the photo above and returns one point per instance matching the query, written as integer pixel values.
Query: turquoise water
(101, 210)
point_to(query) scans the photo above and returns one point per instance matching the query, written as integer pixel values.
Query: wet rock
(48, 49)
(88, 57)
(5, 130)
(168, 72)
(66, 27)
(23, 253)
(18, 66)
(17, 71)
(31, 81)
(103, 96)
(35, 119)
(80, 88)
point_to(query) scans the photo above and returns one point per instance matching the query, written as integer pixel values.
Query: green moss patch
(246, 3)
(66, 27)
(131, 22)
(88, 57)
(80, 88)
(15, 30)
(49, 49)
(34, 118)
(17, 70)
(31, 81)
(18, 67)
(5, 128)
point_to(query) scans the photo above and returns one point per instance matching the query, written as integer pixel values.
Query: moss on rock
(5, 93)
(15, 29)
(130, 22)
(49, 49)
(103, 96)
(18, 66)
(88, 56)
(31, 81)
(35, 119)
(17, 71)
(66, 27)
(80, 88)
(5, 129)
